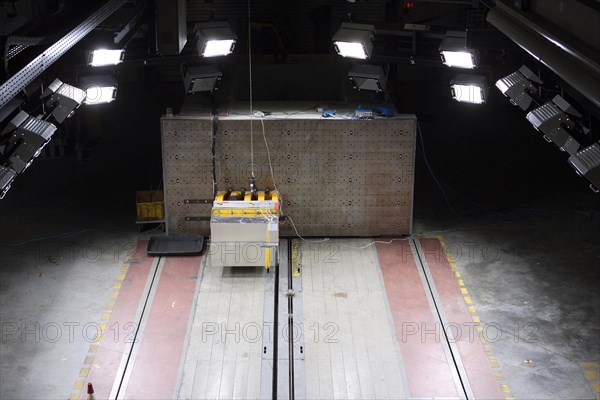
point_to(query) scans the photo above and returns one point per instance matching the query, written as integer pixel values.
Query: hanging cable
(250, 84)
(269, 157)
(213, 146)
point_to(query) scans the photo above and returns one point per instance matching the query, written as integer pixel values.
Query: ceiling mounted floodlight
(454, 52)
(28, 136)
(354, 40)
(99, 89)
(7, 175)
(201, 78)
(102, 57)
(63, 99)
(214, 39)
(553, 119)
(519, 88)
(587, 164)
(368, 77)
(469, 88)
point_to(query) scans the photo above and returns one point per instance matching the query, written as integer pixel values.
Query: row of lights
(555, 118)
(351, 40)
(101, 88)
(213, 39)
(356, 41)
(28, 135)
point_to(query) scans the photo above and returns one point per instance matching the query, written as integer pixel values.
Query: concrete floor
(538, 293)
(531, 268)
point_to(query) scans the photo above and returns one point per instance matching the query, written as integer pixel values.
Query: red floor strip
(154, 374)
(120, 325)
(428, 372)
(475, 360)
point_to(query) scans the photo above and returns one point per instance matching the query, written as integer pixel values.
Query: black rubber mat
(175, 245)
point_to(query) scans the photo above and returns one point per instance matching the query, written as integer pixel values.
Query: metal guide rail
(298, 291)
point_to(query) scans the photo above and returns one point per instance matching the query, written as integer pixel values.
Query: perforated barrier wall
(336, 177)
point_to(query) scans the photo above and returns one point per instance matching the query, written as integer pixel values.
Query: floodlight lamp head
(99, 88)
(63, 99)
(368, 77)
(454, 52)
(519, 87)
(201, 78)
(214, 39)
(469, 88)
(7, 176)
(554, 120)
(587, 164)
(354, 40)
(27, 137)
(565, 106)
(104, 57)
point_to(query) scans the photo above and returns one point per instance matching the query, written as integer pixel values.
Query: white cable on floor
(306, 240)
(372, 243)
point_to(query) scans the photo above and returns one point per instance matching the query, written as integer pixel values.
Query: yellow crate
(150, 205)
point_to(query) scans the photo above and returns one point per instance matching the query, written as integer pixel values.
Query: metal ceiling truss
(25, 76)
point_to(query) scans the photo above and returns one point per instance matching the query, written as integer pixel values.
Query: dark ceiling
(293, 56)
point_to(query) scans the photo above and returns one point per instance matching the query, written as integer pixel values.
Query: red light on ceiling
(408, 5)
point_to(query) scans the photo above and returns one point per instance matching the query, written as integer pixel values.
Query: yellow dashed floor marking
(591, 375)
(472, 310)
(89, 359)
(591, 370)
